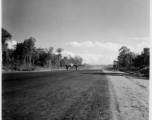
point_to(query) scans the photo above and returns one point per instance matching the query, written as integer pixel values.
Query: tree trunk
(17, 61)
(59, 63)
(33, 63)
(25, 61)
(51, 65)
(30, 60)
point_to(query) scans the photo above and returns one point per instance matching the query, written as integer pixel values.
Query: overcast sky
(93, 29)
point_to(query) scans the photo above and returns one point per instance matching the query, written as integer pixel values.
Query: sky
(92, 29)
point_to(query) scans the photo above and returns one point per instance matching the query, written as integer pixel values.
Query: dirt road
(130, 95)
(73, 95)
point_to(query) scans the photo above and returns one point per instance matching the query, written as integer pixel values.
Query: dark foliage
(25, 56)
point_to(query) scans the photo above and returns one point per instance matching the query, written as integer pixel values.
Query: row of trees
(71, 60)
(128, 59)
(27, 55)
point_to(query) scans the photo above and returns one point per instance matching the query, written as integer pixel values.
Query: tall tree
(54, 61)
(49, 57)
(123, 55)
(5, 36)
(129, 59)
(29, 46)
(77, 60)
(146, 56)
(123, 50)
(59, 50)
(19, 53)
(64, 61)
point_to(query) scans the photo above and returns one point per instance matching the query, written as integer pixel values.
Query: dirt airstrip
(74, 95)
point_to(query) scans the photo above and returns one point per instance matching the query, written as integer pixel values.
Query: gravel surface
(131, 95)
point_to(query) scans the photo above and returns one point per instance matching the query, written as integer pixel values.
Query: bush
(123, 69)
(28, 69)
(6, 67)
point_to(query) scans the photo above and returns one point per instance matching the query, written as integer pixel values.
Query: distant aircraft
(72, 65)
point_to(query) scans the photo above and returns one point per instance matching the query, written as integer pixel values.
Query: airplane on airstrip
(72, 65)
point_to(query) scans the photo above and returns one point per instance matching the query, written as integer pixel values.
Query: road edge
(114, 104)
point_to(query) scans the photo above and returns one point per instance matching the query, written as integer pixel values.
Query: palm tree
(59, 50)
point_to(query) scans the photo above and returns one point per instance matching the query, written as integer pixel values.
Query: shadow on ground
(136, 77)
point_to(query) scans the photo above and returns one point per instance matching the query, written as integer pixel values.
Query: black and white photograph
(75, 59)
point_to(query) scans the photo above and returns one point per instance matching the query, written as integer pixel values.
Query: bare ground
(74, 95)
(131, 96)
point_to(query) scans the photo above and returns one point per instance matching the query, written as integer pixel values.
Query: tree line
(26, 55)
(129, 60)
